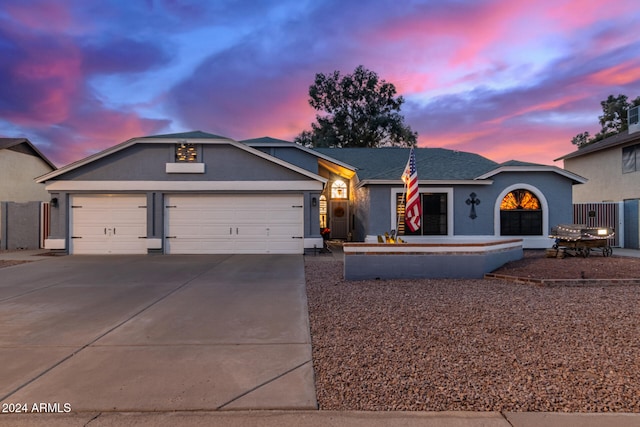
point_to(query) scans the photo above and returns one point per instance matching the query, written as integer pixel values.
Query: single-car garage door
(252, 224)
(108, 224)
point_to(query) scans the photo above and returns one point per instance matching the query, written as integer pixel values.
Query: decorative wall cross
(473, 202)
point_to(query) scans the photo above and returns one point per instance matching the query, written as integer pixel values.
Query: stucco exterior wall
(294, 156)
(17, 173)
(606, 182)
(147, 162)
(553, 188)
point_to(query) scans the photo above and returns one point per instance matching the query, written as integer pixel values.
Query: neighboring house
(196, 192)
(612, 167)
(20, 163)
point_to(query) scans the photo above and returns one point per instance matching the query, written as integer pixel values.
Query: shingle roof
(519, 163)
(432, 163)
(613, 141)
(194, 134)
(267, 140)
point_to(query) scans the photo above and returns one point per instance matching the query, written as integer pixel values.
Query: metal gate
(601, 215)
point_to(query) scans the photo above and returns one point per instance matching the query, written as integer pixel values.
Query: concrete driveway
(149, 333)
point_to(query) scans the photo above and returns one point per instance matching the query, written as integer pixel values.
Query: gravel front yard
(478, 345)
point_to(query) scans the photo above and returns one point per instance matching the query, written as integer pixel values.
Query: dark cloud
(122, 56)
(247, 70)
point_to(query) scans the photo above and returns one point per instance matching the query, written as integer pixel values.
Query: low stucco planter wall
(444, 258)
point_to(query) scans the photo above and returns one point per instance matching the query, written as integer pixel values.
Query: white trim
(313, 243)
(425, 182)
(534, 168)
(454, 246)
(184, 168)
(529, 241)
(154, 243)
(55, 243)
(448, 190)
(181, 186)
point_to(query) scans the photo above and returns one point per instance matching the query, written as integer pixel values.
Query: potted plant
(325, 232)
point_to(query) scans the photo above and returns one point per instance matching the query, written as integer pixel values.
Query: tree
(360, 111)
(612, 121)
(581, 139)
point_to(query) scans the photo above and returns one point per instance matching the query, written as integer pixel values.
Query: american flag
(413, 208)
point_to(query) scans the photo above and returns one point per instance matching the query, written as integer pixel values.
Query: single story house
(196, 192)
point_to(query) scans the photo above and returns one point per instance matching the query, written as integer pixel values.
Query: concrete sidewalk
(322, 419)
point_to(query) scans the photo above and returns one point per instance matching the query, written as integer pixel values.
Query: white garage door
(108, 224)
(210, 224)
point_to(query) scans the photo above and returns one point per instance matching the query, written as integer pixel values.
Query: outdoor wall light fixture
(54, 202)
(314, 202)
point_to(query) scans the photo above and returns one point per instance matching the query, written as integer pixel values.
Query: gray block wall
(20, 225)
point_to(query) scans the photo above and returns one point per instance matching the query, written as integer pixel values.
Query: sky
(505, 79)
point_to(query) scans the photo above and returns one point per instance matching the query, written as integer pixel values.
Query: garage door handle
(170, 237)
(76, 237)
(296, 237)
(142, 237)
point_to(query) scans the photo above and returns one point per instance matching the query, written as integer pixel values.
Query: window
(338, 190)
(434, 215)
(520, 214)
(633, 114)
(186, 153)
(323, 211)
(631, 159)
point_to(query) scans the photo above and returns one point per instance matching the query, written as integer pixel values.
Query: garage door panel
(234, 223)
(108, 224)
(194, 246)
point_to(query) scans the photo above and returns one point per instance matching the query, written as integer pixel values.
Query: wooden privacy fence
(601, 215)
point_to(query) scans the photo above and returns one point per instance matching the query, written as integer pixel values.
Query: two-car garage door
(193, 224)
(209, 224)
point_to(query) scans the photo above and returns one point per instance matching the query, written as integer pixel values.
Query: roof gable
(23, 145)
(524, 167)
(619, 139)
(198, 137)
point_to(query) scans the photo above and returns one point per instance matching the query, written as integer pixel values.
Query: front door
(339, 219)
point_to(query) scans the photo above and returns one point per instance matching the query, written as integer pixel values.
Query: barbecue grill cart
(576, 239)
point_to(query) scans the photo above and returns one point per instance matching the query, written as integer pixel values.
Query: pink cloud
(621, 74)
(94, 130)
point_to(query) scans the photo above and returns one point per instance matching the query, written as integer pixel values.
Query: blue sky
(500, 78)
